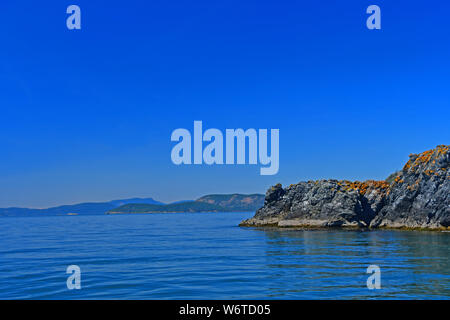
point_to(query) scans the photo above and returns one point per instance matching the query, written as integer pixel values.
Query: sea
(208, 256)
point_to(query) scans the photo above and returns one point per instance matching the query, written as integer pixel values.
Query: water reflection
(321, 263)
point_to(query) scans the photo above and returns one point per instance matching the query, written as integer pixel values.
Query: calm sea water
(207, 256)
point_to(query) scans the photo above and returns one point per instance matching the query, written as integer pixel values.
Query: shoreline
(275, 225)
(345, 228)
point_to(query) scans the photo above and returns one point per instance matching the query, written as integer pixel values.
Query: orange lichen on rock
(398, 179)
(363, 187)
(425, 158)
(442, 149)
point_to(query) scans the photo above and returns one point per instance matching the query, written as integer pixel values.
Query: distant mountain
(192, 206)
(208, 203)
(235, 202)
(88, 208)
(118, 203)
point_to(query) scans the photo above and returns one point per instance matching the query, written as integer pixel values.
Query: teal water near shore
(207, 256)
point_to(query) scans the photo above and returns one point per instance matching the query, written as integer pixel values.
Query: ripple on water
(207, 256)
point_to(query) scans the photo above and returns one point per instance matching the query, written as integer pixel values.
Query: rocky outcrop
(417, 197)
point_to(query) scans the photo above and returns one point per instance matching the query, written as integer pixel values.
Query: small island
(417, 197)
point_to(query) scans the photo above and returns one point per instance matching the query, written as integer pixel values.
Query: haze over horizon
(87, 115)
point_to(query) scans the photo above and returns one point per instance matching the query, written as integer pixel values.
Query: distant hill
(208, 203)
(88, 208)
(192, 206)
(235, 202)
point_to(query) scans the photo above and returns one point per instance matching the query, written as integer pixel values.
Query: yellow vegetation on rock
(425, 157)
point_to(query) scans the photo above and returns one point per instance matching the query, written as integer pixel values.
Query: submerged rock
(418, 197)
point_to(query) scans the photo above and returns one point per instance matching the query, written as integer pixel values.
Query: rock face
(418, 197)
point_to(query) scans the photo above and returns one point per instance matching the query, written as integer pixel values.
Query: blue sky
(87, 115)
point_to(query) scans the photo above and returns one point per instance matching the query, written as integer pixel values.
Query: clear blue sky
(87, 115)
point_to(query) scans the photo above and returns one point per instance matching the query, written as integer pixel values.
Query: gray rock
(418, 197)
